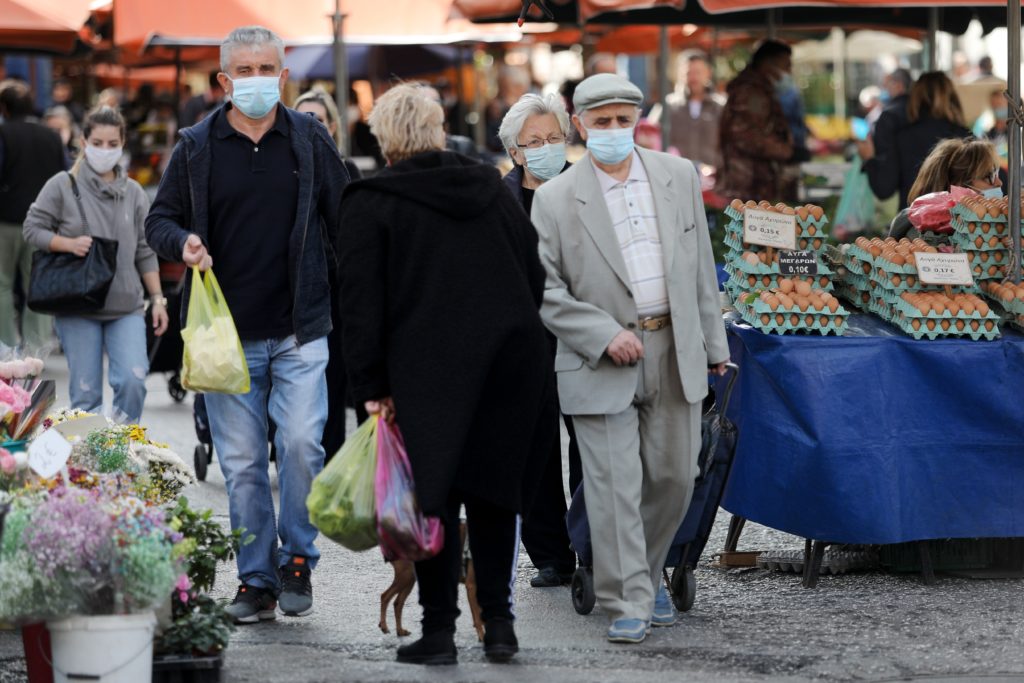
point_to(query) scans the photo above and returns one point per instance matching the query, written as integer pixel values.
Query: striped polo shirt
(635, 220)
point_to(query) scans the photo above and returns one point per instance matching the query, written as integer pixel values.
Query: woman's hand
(160, 319)
(384, 407)
(866, 148)
(79, 246)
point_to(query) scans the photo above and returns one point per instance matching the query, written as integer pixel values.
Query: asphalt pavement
(746, 625)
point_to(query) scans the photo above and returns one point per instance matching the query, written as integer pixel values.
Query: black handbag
(65, 284)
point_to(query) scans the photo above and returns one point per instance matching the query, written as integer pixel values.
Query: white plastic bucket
(109, 649)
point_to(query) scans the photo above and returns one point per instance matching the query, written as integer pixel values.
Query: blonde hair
(933, 96)
(954, 162)
(406, 123)
(319, 96)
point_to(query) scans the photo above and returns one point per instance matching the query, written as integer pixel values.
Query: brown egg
(762, 257)
(833, 305)
(765, 205)
(875, 250)
(915, 323)
(823, 321)
(785, 301)
(736, 204)
(811, 230)
(1006, 294)
(898, 259)
(989, 325)
(816, 302)
(923, 306)
(751, 204)
(930, 324)
(751, 280)
(802, 302)
(802, 288)
(794, 320)
(803, 243)
(861, 241)
(785, 285)
(809, 321)
(817, 243)
(953, 307)
(817, 212)
(802, 213)
(968, 307)
(938, 305)
(993, 241)
(780, 319)
(975, 325)
(911, 280)
(998, 256)
(896, 280)
(789, 211)
(959, 325)
(984, 257)
(765, 319)
(993, 270)
(982, 308)
(979, 242)
(944, 324)
(779, 207)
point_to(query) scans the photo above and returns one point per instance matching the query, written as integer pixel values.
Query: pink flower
(14, 398)
(7, 462)
(183, 585)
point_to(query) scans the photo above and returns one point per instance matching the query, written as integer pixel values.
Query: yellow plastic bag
(341, 501)
(213, 361)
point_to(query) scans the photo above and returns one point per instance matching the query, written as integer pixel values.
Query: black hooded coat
(440, 289)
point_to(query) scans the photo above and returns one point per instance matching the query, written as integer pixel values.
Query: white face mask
(102, 159)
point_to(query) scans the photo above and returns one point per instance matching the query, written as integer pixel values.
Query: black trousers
(493, 541)
(544, 531)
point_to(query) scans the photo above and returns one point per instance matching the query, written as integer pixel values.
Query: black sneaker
(500, 642)
(252, 604)
(296, 597)
(548, 577)
(433, 649)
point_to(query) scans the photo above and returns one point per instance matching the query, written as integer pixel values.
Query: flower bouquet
(24, 397)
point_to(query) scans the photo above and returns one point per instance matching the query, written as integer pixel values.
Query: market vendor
(968, 163)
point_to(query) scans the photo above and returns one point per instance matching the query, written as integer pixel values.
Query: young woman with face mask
(970, 163)
(97, 199)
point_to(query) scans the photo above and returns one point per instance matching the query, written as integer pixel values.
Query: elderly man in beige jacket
(632, 296)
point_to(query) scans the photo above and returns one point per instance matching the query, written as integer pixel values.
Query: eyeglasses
(993, 177)
(537, 143)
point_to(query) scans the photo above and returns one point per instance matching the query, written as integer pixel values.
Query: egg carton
(802, 223)
(811, 323)
(908, 310)
(988, 258)
(894, 282)
(964, 213)
(1007, 309)
(741, 265)
(854, 297)
(811, 233)
(741, 281)
(982, 274)
(919, 328)
(880, 308)
(759, 306)
(892, 297)
(978, 243)
(857, 281)
(976, 228)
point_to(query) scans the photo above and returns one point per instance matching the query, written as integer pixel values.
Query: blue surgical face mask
(255, 96)
(547, 162)
(884, 97)
(992, 193)
(785, 83)
(610, 145)
(1002, 113)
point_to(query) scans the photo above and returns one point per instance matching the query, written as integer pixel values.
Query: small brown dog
(405, 579)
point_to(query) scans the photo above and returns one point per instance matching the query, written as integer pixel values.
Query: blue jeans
(84, 341)
(292, 376)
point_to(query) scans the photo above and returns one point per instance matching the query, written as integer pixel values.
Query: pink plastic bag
(405, 533)
(930, 212)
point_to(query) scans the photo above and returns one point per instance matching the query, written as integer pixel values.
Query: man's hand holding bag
(213, 360)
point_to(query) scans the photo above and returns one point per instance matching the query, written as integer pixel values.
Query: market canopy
(42, 25)
(144, 26)
(954, 15)
(310, 62)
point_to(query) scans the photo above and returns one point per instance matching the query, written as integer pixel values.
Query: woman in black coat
(934, 113)
(440, 290)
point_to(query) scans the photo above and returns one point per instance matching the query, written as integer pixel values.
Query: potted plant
(191, 646)
(93, 563)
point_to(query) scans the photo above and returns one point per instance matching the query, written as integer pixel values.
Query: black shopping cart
(165, 351)
(718, 445)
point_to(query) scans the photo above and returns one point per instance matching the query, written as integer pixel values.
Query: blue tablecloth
(877, 438)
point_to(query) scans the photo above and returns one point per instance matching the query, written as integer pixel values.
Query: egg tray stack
(853, 281)
(765, 312)
(1007, 299)
(980, 227)
(916, 314)
(745, 276)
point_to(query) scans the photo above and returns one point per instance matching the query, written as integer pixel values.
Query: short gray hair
(406, 122)
(531, 105)
(250, 36)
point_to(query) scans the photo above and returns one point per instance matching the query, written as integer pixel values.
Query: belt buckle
(652, 323)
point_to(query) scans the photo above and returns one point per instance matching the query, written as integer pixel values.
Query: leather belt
(653, 323)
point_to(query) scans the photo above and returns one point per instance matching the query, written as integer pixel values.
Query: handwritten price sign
(769, 229)
(48, 453)
(943, 269)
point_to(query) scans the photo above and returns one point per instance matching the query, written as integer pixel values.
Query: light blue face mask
(1002, 113)
(255, 96)
(612, 145)
(992, 193)
(547, 162)
(785, 83)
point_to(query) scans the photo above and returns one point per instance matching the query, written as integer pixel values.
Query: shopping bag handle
(723, 405)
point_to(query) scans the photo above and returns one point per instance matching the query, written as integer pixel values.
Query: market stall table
(875, 438)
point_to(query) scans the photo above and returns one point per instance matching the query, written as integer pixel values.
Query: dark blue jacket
(182, 207)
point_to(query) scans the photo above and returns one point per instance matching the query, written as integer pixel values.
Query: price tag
(769, 229)
(943, 269)
(48, 453)
(798, 263)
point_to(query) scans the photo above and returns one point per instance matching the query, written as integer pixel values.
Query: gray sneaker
(296, 597)
(252, 604)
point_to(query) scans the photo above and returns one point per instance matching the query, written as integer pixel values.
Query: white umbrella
(861, 46)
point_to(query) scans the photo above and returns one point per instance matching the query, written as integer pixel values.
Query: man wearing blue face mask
(534, 132)
(256, 187)
(632, 297)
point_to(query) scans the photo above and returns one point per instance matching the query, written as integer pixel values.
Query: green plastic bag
(341, 501)
(856, 210)
(213, 360)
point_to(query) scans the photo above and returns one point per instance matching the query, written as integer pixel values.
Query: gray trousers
(639, 468)
(16, 257)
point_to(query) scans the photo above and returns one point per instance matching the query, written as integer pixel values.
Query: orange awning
(50, 25)
(721, 6)
(143, 24)
(646, 39)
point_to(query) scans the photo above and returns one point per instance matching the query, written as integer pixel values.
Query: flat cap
(601, 89)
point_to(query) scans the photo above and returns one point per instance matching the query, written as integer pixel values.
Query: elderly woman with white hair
(441, 284)
(534, 133)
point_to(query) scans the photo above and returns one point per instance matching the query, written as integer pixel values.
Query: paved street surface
(745, 626)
